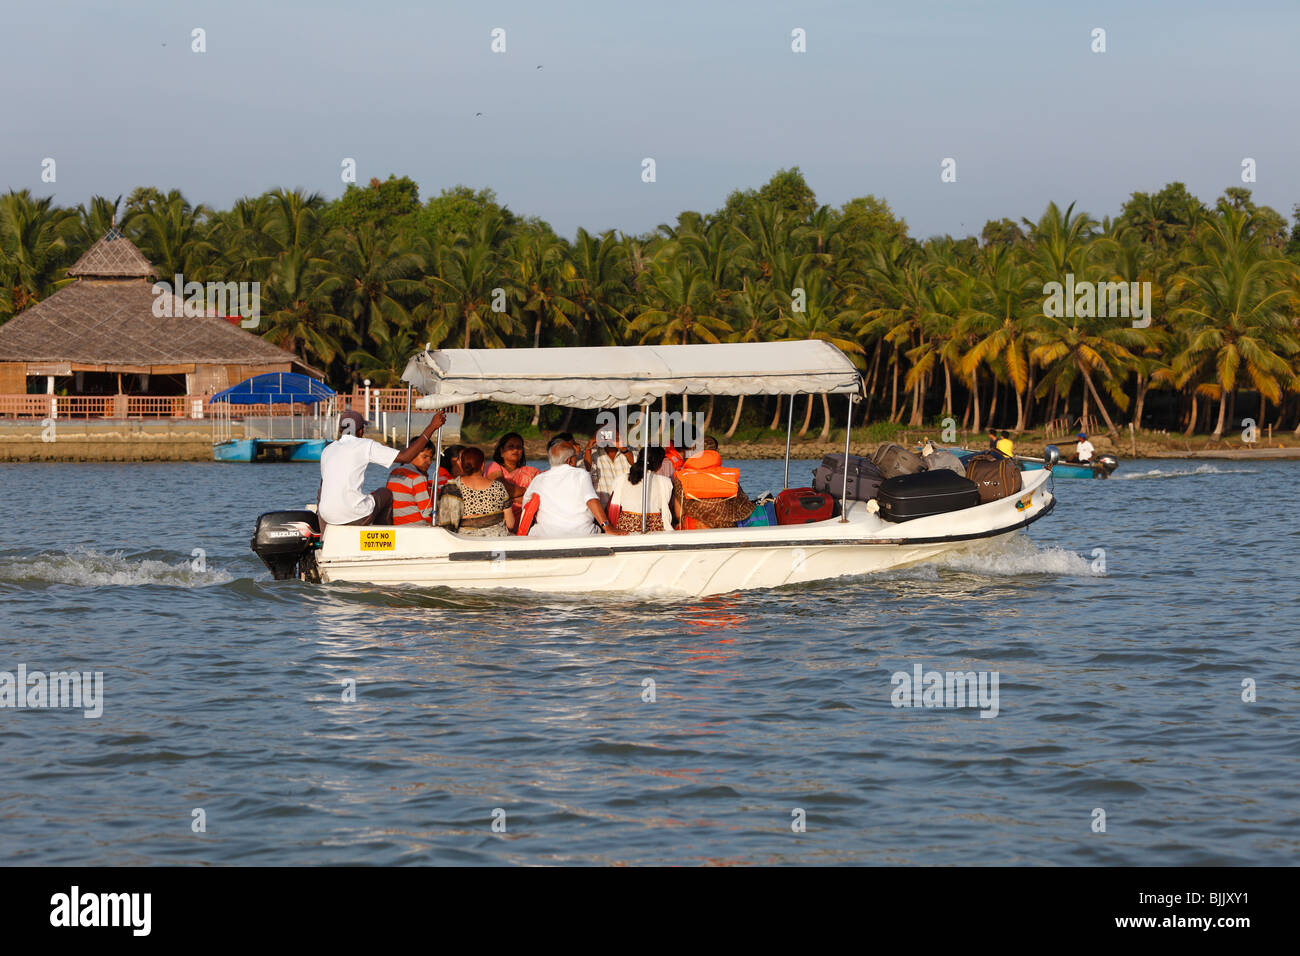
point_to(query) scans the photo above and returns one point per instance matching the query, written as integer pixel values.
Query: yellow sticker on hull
(374, 540)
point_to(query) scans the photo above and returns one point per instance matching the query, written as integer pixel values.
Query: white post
(365, 412)
(789, 429)
(645, 465)
(844, 492)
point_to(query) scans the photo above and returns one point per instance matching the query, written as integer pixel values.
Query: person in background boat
(1083, 450)
(709, 512)
(1005, 445)
(484, 502)
(627, 495)
(993, 440)
(608, 464)
(341, 499)
(568, 505)
(409, 485)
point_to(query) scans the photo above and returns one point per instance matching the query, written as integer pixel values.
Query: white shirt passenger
(628, 497)
(1084, 450)
(563, 512)
(343, 474)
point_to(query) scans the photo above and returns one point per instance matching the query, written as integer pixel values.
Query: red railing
(389, 400)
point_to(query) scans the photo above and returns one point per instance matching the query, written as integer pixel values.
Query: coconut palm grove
(943, 327)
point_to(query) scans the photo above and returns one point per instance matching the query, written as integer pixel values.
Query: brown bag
(893, 460)
(995, 475)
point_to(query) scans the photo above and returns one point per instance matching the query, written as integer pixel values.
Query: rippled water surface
(1121, 627)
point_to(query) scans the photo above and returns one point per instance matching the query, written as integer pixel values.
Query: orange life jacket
(704, 477)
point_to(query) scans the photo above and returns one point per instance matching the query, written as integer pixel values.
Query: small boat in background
(1101, 468)
(272, 437)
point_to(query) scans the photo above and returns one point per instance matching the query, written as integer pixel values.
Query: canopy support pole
(437, 464)
(844, 492)
(408, 414)
(789, 429)
(645, 465)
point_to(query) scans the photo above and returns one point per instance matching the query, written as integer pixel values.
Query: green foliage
(941, 328)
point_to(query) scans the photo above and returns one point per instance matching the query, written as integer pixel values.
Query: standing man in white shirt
(569, 507)
(343, 471)
(1083, 450)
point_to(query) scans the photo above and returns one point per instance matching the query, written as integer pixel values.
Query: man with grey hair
(567, 503)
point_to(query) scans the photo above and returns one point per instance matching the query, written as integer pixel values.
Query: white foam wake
(1019, 556)
(85, 567)
(1180, 473)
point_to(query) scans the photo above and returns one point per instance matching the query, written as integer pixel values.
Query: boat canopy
(276, 388)
(604, 377)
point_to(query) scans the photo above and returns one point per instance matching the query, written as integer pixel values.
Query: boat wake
(85, 567)
(1181, 473)
(1016, 557)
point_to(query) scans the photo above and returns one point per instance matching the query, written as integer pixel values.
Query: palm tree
(299, 313)
(1237, 303)
(173, 235)
(35, 247)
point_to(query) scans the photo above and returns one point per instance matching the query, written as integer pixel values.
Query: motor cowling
(1108, 464)
(286, 541)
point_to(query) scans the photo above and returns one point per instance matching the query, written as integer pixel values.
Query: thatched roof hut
(104, 326)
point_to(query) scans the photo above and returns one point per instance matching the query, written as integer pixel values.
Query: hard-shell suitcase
(864, 477)
(803, 505)
(995, 475)
(894, 460)
(926, 493)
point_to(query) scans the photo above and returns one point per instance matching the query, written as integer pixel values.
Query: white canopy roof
(629, 375)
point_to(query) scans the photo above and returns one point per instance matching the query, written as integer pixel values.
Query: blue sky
(710, 90)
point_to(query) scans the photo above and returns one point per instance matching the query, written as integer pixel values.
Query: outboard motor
(1051, 455)
(1107, 463)
(286, 541)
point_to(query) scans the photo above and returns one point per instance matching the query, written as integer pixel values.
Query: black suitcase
(926, 493)
(864, 477)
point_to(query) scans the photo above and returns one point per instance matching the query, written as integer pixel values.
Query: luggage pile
(904, 485)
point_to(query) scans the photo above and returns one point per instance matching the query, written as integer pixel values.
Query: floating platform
(260, 449)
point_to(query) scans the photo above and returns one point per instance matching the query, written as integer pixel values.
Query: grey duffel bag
(894, 460)
(864, 477)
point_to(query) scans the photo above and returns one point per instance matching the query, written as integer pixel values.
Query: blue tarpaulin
(276, 388)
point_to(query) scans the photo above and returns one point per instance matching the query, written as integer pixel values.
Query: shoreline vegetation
(1176, 316)
(191, 441)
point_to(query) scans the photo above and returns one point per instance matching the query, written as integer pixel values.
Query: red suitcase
(803, 505)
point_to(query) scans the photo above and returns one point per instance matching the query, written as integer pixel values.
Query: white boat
(686, 563)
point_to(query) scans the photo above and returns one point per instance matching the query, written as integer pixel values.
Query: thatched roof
(113, 257)
(106, 317)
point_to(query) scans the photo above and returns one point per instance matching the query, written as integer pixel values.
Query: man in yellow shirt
(1006, 446)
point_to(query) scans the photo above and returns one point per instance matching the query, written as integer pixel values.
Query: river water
(1124, 629)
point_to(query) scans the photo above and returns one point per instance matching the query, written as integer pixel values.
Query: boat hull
(1065, 469)
(686, 563)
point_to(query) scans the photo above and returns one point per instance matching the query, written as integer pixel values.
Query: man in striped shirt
(412, 501)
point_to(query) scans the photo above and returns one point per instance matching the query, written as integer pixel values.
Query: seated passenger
(608, 464)
(409, 484)
(508, 462)
(449, 464)
(484, 502)
(568, 506)
(709, 512)
(628, 492)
